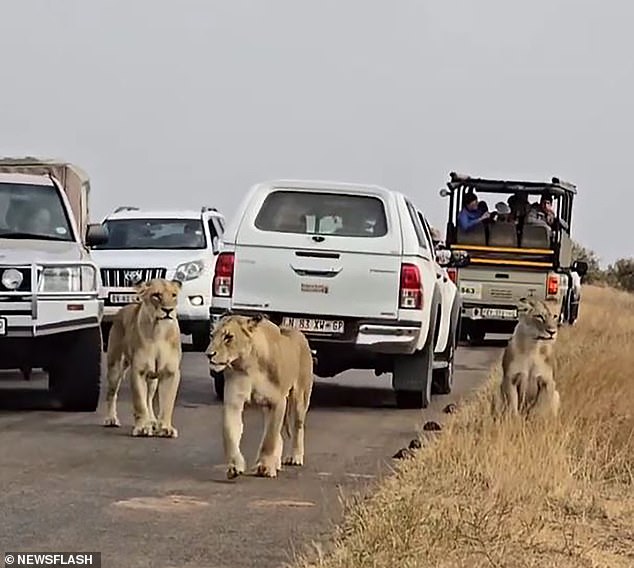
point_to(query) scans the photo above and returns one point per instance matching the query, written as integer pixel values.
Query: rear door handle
(326, 273)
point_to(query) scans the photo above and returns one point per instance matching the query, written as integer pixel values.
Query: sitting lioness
(268, 366)
(145, 340)
(528, 374)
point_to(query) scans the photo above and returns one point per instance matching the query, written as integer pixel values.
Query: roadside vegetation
(490, 495)
(618, 275)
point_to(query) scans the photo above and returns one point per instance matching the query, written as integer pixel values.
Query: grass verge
(491, 495)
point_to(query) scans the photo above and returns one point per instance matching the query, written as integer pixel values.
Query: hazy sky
(186, 103)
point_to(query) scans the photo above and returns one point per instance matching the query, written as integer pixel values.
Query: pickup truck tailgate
(500, 286)
(290, 280)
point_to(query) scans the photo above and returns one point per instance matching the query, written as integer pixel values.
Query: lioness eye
(228, 338)
(173, 295)
(540, 317)
(156, 296)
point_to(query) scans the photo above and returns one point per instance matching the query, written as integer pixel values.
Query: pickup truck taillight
(453, 274)
(223, 275)
(411, 293)
(552, 285)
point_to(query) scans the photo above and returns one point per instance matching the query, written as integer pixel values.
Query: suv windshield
(322, 213)
(30, 211)
(154, 234)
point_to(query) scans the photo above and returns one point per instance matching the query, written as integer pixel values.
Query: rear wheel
(75, 376)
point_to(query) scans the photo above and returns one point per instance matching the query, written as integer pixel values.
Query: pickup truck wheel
(219, 384)
(75, 378)
(411, 369)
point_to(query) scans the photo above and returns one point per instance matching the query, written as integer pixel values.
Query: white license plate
(314, 325)
(123, 299)
(499, 313)
(3, 326)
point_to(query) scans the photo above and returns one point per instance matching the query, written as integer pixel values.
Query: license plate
(499, 313)
(123, 299)
(3, 326)
(315, 325)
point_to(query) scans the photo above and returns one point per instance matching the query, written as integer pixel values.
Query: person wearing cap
(471, 214)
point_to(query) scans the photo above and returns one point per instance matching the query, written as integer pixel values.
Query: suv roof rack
(125, 208)
(556, 185)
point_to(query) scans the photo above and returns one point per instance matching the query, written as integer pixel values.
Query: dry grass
(491, 495)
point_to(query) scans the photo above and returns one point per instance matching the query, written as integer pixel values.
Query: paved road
(66, 483)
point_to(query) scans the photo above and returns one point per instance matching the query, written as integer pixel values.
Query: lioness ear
(178, 283)
(253, 321)
(525, 305)
(140, 288)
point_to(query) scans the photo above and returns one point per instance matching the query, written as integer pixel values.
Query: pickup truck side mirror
(96, 235)
(580, 267)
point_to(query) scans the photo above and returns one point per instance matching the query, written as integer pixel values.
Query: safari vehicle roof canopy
(73, 180)
(513, 243)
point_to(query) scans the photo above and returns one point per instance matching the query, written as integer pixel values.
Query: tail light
(223, 275)
(411, 293)
(453, 274)
(552, 285)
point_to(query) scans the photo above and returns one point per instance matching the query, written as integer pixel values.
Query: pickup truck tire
(75, 378)
(219, 384)
(419, 366)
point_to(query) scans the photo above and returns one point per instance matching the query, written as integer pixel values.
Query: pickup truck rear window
(315, 213)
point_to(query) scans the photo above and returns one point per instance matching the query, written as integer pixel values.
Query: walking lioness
(268, 366)
(528, 376)
(144, 340)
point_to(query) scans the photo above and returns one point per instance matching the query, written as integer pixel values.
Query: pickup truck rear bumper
(389, 337)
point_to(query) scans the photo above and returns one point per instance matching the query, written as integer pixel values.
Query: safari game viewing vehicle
(521, 250)
(50, 311)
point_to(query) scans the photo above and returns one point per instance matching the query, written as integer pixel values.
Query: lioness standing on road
(528, 383)
(145, 340)
(269, 366)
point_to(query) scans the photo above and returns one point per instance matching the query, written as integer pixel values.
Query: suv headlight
(67, 279)
(189, 270)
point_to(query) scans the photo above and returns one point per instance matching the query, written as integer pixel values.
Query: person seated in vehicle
(518, 203)
(542, 213)
(473, 213)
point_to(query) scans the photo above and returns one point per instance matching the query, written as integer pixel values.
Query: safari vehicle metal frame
(500, 252)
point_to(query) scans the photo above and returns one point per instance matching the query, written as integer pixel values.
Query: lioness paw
(233, 472)
(167, 432)
(264, 470)
(294, 460)
(111, 422)
(143, 430)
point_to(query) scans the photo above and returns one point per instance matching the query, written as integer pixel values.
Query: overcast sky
(186, 103)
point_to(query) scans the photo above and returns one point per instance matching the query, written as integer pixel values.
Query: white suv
(162, 244)
(354, 267)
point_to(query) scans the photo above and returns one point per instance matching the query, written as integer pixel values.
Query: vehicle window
(426, 231)
(322, 213)
(154, 234)
(33, 211)
(415, 221)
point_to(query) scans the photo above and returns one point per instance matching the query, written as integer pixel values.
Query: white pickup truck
(353, 267)
(50, 311)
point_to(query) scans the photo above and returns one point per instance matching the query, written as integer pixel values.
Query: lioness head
(538, 316)
(231, 341)
(159, 298)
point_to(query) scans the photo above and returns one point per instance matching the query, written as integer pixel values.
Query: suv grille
(128, 277)
(25, 286)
